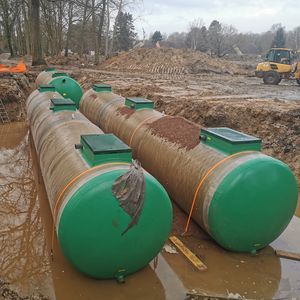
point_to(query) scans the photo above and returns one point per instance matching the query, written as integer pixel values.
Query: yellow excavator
(280, 63)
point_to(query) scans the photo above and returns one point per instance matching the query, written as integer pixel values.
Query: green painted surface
(229, 141)
(102, 87)
(46, 88)
(91, 226)
(253, 205)
(50, 70)
(62, 104)
(60, 74)
(68, 88)
(139, 103)
(101, 148)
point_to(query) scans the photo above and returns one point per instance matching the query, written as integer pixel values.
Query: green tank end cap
(101, 148)
(59, 74)
(139, 103)
(62, 104)
(49, 69)
(68, 88)
(228, 140)
(46, 88)
(253, 204)
(102, 87)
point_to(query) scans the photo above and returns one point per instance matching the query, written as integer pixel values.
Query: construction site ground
(234, 99)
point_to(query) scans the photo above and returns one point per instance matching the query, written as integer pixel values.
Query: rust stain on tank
(125, 111)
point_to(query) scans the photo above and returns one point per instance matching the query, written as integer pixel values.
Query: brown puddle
(25, 262)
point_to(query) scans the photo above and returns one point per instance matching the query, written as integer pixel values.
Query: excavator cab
(281, 56)
(279, 63)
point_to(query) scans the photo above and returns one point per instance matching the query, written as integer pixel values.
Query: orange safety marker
(19, 68)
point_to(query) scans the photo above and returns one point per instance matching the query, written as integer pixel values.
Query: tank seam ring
(139, 125)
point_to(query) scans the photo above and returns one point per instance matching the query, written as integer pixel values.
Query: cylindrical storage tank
(63, 83)
(243, 198)
(111, 217)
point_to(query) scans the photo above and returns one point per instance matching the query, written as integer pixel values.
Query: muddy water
(25, 234)
(24, 262)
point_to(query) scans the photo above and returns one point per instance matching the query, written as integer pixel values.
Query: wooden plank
(288, 255)
(188, 254)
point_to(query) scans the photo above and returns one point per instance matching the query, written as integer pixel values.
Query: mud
(14, 90)
(24, 264)
(177, 130)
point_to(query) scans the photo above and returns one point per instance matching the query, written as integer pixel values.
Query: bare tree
(99, 32)
(194, 35)
(221, 38)
(37, 54)
(69, 24)
(9, 10)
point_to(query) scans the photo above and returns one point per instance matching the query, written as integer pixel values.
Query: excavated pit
(208, 99)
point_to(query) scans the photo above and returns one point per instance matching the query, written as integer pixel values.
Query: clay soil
(177, 130)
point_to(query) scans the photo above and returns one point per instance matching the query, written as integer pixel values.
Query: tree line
(102, 27)
(52, 26)
(219, 39)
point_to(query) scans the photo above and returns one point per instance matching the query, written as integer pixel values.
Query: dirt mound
(170, 61)
(177, 130)
(14, 91)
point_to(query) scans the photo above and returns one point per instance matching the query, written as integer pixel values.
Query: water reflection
(23, 251)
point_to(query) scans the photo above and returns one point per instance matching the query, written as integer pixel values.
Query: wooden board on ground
(288, 255)
(188, 254)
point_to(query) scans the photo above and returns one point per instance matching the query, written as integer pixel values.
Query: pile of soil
(14, 90)
(276, 122)
(177, 130)
(170, 61)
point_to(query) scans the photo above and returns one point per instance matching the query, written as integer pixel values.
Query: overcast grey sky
(246, 15)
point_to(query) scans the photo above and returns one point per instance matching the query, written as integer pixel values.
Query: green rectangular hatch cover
(58, 104)
(228, 140)
(139, 103)
(102, 148)
(101, 87)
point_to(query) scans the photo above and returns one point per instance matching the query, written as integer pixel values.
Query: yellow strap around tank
(203, 179)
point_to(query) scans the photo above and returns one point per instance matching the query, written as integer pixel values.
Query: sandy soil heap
(170, 61)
